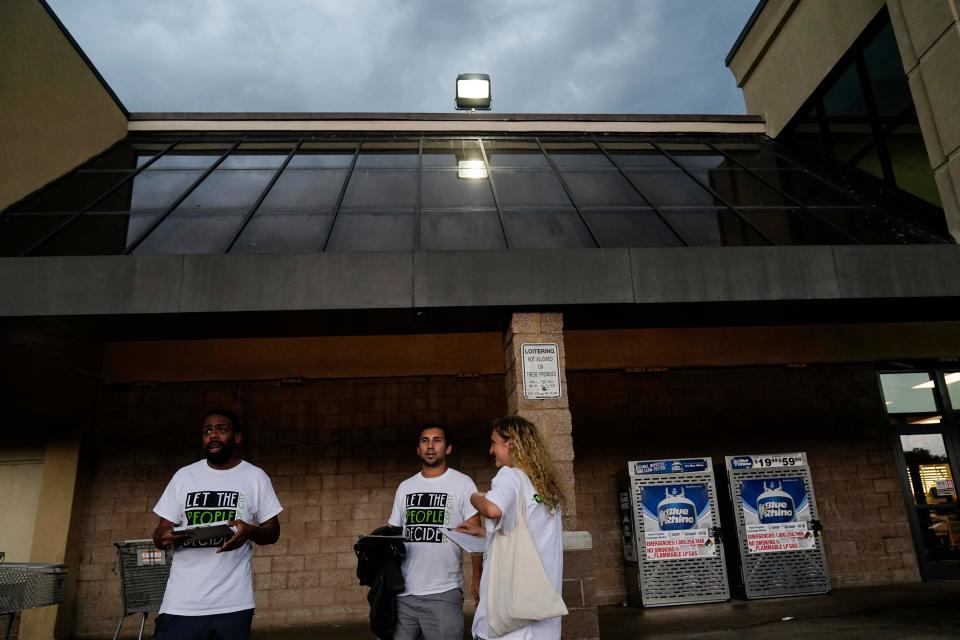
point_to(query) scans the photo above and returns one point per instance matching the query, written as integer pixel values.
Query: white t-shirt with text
(202, 581)
(546, 529)
(421, 506)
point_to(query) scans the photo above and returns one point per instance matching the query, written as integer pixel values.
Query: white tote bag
(518, 589)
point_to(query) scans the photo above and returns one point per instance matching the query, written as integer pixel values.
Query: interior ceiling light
(471, 169)
(473, 91)
(930, 420)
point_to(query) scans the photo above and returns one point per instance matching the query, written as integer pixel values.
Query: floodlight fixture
(473, 91)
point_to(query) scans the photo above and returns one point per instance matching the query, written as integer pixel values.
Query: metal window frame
(630, 181)
(803, 207)
(493, 190)
(716, 195)
(359, 142)
(263, 194)
(183, 196)
(570, 196)
(343, 191)
(69, 221)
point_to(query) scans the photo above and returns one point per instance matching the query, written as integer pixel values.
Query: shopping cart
(29, 585)
(144, 570)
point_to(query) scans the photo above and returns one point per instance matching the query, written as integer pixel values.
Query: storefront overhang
(572, 278)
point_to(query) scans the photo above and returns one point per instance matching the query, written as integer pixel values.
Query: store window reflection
(930, 478)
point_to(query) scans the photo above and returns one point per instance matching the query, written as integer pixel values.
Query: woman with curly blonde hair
(527, 479)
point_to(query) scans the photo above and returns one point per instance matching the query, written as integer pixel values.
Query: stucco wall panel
(804, 47)
(925, 22)
(54, 111)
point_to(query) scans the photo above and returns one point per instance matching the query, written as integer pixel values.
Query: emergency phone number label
(541, 371)
(768, 461)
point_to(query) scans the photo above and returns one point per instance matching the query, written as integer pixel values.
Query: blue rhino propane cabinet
(670, 531)
(775, 510)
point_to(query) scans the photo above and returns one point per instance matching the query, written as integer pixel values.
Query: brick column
(552, 418)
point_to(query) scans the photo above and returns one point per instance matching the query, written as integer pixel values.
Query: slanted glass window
(379, 189)
(888, 81)
(911, 164)
(805, 187)
(305, 189)
(461, 230)
(446, 189)
(694, 155)
(704, 227)
(529, 189)
(153, 190)
(447, 154)
(257, 155)
(793, 226)
(291, 231)
(323, 155)
(552, 229)
(630, 228)
(372, 231)
(639, 154)
(191, 155)
(227, 189)
(568, 155)
(75, 192)
(516, 154)
(602, 189)
(671, 188)
(388, 155)
(197, 197)
(91, 233)
(863, 115)
(185, 231)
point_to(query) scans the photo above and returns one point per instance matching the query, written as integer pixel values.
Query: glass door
(919, 405)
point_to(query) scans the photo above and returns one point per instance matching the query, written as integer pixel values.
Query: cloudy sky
(544, 56)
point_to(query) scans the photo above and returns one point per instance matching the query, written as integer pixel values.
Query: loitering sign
(678, 522)
(541, 371)
(776, 515)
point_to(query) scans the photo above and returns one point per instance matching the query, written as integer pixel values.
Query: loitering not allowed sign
(541, 371)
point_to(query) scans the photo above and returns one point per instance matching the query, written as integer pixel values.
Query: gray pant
(438, 616)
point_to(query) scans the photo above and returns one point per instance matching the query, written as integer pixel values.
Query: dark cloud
(583, 56)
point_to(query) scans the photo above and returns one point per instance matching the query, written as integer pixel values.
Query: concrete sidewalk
(918, 611)
(925, 611)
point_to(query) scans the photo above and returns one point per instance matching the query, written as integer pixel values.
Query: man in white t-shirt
(209, 595)
(431, 606)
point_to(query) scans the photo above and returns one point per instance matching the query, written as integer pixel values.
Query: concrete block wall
(835, 414)
(335, 451)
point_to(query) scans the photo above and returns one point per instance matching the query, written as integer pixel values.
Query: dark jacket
(378, 567)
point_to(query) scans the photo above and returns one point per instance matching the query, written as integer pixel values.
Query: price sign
(541, 371)
(768, 461)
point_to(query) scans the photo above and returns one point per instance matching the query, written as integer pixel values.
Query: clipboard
(201, 532)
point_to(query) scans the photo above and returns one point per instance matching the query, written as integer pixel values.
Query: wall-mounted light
(473, 91)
